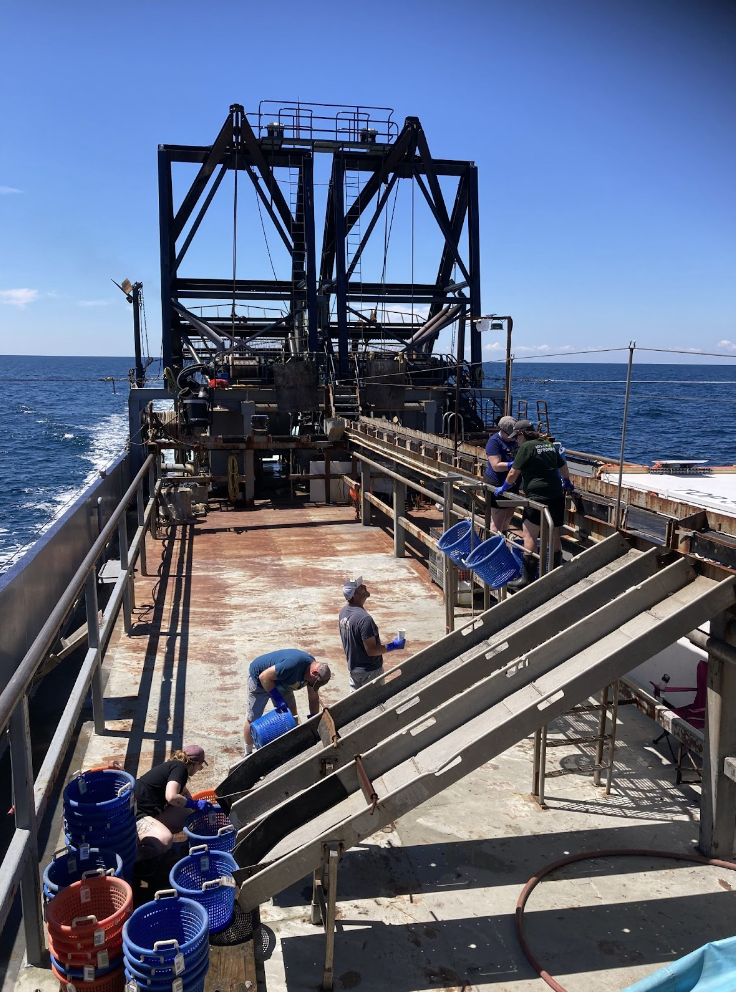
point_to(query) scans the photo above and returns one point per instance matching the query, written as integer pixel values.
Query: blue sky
(604, 131)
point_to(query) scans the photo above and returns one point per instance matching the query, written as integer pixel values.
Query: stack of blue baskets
(99, 812)
(71, 865)
(495, 562)
(212, 828)
(166, 942)
(207, 877)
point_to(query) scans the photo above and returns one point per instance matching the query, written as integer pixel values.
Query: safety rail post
(486, 535)
(25, 820)
(399, 511)
(152, 473)
(450, 570)
(141, 512)
(93, 644)
(125, 572)
(365, 486)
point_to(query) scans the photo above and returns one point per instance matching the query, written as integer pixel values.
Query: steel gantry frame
(320, 299)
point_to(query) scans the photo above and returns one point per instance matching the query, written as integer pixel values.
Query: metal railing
(19, 869)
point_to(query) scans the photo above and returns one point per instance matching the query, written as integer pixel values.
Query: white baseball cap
(351, 587)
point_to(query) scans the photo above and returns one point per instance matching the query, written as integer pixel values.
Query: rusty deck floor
(427, 903)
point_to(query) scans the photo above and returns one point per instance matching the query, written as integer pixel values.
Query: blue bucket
(455, 542)
(494, 562)
(102, 791)
(212, 828)
(207, 877)
(67, 866)
(159, 930)
(270, 726)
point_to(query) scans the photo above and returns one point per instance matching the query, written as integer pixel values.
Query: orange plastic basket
(73, 957)
(208, 794)
(114, 982)
(78, 911)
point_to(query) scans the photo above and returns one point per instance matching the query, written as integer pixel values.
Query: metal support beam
(476, 355)
(399, 511)
(324, 907)
(124, 566)
(309, 238)
(338, 200)
(450, 570)
(718, 802)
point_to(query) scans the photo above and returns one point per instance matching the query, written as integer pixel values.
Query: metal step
(470, 726)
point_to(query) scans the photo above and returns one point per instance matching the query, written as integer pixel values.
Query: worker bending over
(276, 675)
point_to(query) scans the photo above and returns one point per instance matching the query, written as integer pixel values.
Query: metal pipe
(448, 562)
(632, 345)
(21, 679)
(713, 645)
(125, 573)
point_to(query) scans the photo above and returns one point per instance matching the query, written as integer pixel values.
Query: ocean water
(675, 411)
(59, 424)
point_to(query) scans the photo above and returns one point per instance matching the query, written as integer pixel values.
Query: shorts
(361, 675)
(557, 512)
(258, 697)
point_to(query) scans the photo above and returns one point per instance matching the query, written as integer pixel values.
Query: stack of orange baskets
(85, 929)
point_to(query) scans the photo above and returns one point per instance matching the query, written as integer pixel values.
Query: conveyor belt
(450, 708)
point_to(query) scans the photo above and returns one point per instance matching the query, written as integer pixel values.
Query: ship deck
(427, 903)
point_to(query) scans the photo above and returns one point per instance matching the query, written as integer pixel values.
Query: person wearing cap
(164, 803)
(361, 641)
(545, 478)
(500, 452)
(276, 675)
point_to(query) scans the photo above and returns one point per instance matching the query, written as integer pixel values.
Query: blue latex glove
(278, 701)
(567, 484)
(501, 489)
(396, 645)
(201, 805)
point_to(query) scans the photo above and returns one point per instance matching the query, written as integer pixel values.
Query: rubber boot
(528, 573)
(557, 560)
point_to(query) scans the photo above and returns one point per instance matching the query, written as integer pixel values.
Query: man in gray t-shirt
(360, 638)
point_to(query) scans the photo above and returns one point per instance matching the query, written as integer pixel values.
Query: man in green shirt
(545, 477)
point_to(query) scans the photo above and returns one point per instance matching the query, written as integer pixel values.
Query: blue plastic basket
(455, 542)
(161, 976)
(162, 968)
(212, 828)
(76, 974)
(270, 726)
(179, 924)
(67, 866)
(192, 979)
(106, 790)
(494, 562)
(207, 877)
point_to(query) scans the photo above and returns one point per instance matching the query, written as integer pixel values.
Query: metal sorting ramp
(447, 710)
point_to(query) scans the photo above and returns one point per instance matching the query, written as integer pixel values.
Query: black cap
(523, 427)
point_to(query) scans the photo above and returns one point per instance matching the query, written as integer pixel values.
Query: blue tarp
(712, 968)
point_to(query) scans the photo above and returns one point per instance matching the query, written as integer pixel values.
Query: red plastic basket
(102, 903)
(114, 982)
(78, 958)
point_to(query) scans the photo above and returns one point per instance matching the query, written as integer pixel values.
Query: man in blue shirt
(277, 674)
(501, 451)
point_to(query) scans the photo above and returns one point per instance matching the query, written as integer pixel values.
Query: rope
(615, 853)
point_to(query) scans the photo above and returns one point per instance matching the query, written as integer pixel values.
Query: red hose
(615, 853)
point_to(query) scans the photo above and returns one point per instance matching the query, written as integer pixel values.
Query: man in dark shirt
(277, 674)
(545, 477)
(500, 452)
(361, 641)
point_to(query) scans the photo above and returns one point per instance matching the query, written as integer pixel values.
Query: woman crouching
(164, 801)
